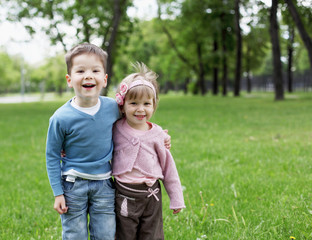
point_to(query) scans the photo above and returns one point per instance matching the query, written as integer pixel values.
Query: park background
(235, 78)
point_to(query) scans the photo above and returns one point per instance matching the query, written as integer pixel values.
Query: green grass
(244, 164)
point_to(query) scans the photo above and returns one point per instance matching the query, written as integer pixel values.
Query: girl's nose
(140, 107)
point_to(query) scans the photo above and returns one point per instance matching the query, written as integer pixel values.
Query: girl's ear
(122, 109)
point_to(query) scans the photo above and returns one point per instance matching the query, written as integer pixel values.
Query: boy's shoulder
(109, 105)
(64, 109)
(66, 114)
(109, 100)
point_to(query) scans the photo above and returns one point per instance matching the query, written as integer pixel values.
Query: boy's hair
(85, 48)
(142, 72)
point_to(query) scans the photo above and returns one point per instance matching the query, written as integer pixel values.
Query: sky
(15, 40)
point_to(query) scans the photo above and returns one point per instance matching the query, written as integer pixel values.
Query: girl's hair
(85, 48)
(142, 73)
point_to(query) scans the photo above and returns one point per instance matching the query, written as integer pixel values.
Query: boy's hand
(60, 205)
(167, 140)
(176, 211)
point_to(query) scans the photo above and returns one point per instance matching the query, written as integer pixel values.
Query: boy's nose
(88, 75)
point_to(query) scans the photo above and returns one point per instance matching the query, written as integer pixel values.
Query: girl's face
(138, 111)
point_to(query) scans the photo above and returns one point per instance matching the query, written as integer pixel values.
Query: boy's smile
(87, 77)
(88, 85)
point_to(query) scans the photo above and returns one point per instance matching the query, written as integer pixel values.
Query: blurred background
(217, 47)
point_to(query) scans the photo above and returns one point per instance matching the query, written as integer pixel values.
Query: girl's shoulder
(156, 128)
(155, 133)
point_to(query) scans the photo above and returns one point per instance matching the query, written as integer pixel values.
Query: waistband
(69, 178)
(141, 188)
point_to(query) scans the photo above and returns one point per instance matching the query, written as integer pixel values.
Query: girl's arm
(171, 178)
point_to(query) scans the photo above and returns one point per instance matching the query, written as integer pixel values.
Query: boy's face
(87, 77)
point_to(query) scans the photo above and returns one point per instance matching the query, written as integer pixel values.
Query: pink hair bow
(122, 93)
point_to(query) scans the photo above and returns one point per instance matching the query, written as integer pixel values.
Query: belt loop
(70, 178)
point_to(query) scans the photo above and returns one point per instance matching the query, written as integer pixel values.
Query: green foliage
(51, 74)
(194, 26)
(10, 73)
(243, 162)
(148, 44)
(71, 22)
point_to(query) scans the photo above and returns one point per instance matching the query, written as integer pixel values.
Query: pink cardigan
(148, 154)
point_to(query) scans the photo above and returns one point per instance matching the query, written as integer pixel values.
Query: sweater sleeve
(171, 179)
(54, 143)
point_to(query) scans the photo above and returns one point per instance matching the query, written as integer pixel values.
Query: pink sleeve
(171, 179)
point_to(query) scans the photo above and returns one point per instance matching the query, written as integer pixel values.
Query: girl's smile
(138, 112)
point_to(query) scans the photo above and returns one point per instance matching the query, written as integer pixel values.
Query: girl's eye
(133, 103)
(80, 71)
(96, 71)
(147, 103)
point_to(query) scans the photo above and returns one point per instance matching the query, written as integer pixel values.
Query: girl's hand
(176, 211)
(63, 154)
(167, 140)
(60, 205)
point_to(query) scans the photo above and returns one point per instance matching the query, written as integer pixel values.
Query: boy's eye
(80, 71)
(147, 103)
(96, 70)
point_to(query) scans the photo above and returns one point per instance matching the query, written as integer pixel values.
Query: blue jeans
(96, 198)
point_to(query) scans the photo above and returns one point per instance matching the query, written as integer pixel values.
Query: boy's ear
(105, 80)
(68, 79)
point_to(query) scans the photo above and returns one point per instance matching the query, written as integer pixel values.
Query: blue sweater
(86, 139)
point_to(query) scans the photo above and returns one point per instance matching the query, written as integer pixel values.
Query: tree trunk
(118, 12)
(248, 82)
(248, 69)
(201, 73)
(237, 83)
(276, 52)
(215, 84)
(224, 60)
(185, 85)
(290, 58)
(303, 33)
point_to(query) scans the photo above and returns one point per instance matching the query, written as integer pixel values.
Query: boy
(82, 127)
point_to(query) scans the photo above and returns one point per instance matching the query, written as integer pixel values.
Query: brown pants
(138, 214)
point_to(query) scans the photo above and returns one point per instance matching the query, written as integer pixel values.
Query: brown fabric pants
(138, 217)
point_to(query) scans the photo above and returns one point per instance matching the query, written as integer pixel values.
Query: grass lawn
(244, 164)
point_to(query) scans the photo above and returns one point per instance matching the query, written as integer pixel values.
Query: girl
(141, 160)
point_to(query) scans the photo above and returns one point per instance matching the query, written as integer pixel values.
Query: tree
(149, 44)
(276, 53)
(99, 20)
(10, 73)
(290, 50)
(303, 33)
(50, 75)
(191, 50)
(256, 40)
(237, 80)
